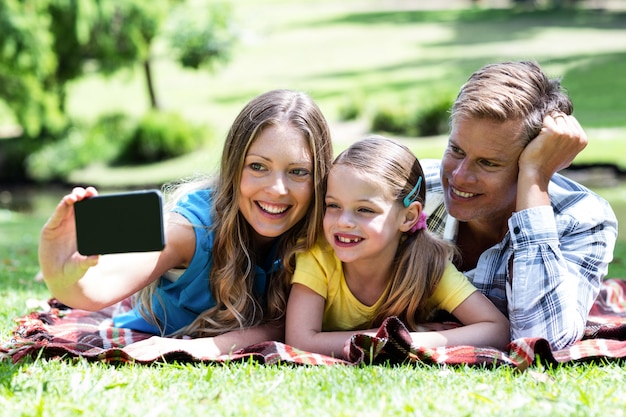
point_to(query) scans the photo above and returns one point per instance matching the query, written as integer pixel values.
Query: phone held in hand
(119, 223)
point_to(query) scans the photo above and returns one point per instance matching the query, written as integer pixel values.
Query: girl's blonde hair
(421, 257)
(232, 274)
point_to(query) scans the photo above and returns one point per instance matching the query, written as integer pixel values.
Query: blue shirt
(560, 254)
(178, 303)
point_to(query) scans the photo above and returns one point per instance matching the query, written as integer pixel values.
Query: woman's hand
(61, 264)
(94, 282)
(155, 347)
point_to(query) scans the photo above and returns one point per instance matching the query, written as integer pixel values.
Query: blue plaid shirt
(560, 257)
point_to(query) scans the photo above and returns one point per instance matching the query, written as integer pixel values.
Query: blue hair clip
(412, 196)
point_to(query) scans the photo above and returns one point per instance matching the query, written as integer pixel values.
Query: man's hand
(561, 139)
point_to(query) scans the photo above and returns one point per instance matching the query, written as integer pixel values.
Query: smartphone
(119, 223)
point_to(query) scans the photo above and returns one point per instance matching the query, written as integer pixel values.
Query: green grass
(333, 50)
(247, 389)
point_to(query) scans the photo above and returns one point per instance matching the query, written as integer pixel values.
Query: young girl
(378, 260)
(221, 273)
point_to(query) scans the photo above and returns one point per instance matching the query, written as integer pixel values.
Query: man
(536, 243)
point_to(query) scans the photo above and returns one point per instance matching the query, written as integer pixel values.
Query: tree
(107, 35)
(27, 64)
(204, 38)
(47, 43)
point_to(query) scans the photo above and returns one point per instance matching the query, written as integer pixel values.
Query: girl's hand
(60, 262)
(348, 343)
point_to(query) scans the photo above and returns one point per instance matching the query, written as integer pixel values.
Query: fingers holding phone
(85, 225)
(58, 256)
(63, 215)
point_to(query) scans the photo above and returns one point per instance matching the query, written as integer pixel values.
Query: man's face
(479, 170)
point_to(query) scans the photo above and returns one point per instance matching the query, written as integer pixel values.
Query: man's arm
(558, 264)
(562, 247)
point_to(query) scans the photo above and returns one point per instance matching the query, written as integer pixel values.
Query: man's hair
(512, 91)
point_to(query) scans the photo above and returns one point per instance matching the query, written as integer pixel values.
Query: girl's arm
(95, 282)
(303, 327)
(483, 325)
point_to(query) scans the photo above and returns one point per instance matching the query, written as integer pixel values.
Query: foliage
(392, 120)
(132, 26)
(433, 119)
(79, 147)
(352, 108)
(203, 38)
(113, 129)
(116, 138)
(48, 43)
(27, 64)
(430, 118)
(617, 268)
(162, 135)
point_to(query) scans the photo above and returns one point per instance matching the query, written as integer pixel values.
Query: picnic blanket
(60, 332)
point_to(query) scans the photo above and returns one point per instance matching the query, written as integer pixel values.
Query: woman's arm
(483, 325)
(303, 327)
(208, 347)
(94, 282)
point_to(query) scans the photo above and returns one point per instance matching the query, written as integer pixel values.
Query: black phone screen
(118, 223)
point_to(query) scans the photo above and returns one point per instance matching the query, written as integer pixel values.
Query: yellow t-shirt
(321, 271)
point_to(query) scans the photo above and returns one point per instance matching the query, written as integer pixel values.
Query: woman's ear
(411, 216)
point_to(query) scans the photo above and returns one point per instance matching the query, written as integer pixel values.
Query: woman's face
(277, 180)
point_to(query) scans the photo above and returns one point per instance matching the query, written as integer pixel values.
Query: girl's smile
(346, 240)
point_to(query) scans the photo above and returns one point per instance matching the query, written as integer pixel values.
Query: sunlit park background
(75, 108)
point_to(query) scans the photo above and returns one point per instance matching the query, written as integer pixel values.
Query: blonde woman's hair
(231, 277)
(421, 257)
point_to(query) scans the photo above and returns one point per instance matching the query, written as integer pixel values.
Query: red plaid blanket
(66, 333)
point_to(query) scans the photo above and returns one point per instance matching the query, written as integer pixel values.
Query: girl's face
(277, 181)
(361, 221)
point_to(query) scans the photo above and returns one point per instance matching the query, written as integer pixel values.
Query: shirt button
(516, 230)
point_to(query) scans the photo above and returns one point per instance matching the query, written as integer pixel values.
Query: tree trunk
(154, 104)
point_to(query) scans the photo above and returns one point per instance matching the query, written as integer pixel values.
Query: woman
(230, 243)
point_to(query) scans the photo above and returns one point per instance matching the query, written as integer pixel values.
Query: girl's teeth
(347, 240)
